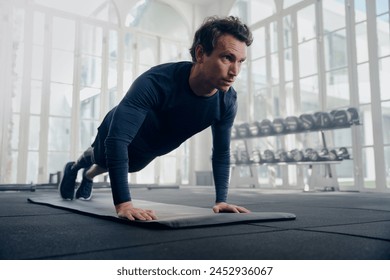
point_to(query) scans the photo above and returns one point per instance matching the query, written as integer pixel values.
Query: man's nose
(235, 68)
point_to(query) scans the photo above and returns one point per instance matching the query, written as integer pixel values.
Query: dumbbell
(297, 155)
(354, 115)
(308, 121)
(343, 153)
(256, 156)
(266, 127)
(268, 156)
(283, 156)
(292, 124)
(311, 155)
(323, 120)
(254, 128)
(243, 130)
(243, 157)
(341, 118)
(327, 155)
(278, 125)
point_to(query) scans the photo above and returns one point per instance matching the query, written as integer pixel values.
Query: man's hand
(225, 207)
(128, 211)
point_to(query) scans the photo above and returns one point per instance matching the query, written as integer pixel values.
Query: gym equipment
(256, 157)
(242, 157)
(268, 156)
(266, 127)
(354, 115)
(243, 130)
(311, 155)
(323, 120)
(327, 155)
(341, 118)
(343, 153)
(278, 125)
(292, 124)
(254, 128)
(169, 215)
(297, 155)
(283, 156)
(308, 121)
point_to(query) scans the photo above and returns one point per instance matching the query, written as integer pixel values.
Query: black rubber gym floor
(329, 226)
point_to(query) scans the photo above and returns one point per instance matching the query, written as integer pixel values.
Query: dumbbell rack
(321, 174)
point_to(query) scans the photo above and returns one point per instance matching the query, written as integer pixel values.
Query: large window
(72, 62)
(311, 56)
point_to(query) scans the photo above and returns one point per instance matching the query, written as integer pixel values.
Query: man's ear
(199, 53)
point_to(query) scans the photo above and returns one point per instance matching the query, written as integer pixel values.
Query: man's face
(222, 66)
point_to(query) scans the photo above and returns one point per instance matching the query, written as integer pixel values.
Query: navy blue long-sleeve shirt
(158, 113)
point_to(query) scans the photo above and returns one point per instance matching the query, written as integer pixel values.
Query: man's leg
(68, 182)
(84, 192)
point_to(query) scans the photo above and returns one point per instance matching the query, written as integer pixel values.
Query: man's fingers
(138, 214)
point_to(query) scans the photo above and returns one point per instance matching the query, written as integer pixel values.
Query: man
(164, 107)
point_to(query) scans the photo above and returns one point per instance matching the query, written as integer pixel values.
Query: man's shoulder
(170, 67)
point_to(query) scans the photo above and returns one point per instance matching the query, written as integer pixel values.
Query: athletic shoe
(84, 192)
(68, 182)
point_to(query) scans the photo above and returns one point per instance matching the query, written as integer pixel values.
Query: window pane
(333, 14)
(148, 50)
(59, 134)
(60, 99)
(112, 75)
(37, 63)
(88, 131)
(306, 24)
(386, 121)
(309, 94)
(369, 168)
(287, 31)
(129, 46)
(170, 51)
(308, 58)
(62, 67)
(33, 137)
(387, 160)
(364, 83)
(273, 32)
(15, 131)
(92, 40)
(168, 169)
(383, 29)
(32, 167)
(91, 71)
(55, 161)
(366, 129)
(336, 50)
(337, 87)
(113, 44)
(360, 10)
(384, 74)
(36, 97)
(63, 34)
(258, 45)
(90, 103)
(146, 175)
(361, 42)
(288, 64)
(275, 68)
(39, 28)
(382, 6)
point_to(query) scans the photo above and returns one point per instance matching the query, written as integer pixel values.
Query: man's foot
(84, 192)
(68, 182)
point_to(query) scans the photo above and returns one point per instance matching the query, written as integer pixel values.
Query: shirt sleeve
(127, 119)
(221, 132)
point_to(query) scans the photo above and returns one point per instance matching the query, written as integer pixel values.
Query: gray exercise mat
(169, 215)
